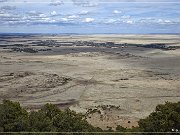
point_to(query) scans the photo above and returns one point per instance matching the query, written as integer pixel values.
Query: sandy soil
(131, 80)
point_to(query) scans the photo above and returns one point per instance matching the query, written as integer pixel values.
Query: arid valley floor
(112, 85)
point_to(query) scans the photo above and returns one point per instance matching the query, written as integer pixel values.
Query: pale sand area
(136, 82)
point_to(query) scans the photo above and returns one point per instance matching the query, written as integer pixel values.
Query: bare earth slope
(113, 86)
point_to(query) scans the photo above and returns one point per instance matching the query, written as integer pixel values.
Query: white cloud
(73, 16)
(53, 13)
(56, 3)
(64, 19)
(111, 21)
(42, 15)
(117, 12)
(156, 21)
(129, 22)
(3, 14)
(84, 12)
(161, 21)
(167, 21)
(88, 20)
(116, 21)
(125, 17)
(85, 3)
(34, 13)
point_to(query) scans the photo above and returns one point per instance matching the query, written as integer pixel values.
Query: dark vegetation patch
(160, 46)
(13, 118)
(100, 108)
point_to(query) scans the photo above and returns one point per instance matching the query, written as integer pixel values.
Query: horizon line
(1, 33)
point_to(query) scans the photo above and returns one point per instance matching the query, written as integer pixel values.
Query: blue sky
(90, 16)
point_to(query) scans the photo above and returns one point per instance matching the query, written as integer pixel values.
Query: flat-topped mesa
(99, 44)
(45, 43)
(160, 46)
(28, 50)
(56, 43)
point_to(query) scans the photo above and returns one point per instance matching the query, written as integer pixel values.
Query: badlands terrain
(112, 79)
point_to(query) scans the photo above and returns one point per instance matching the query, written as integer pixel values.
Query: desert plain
(116, 82)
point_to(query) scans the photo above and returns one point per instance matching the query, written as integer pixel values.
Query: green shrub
(164, 119)
(13, 118)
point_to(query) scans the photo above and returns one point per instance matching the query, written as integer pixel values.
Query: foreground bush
(13, 118)
(166, 118)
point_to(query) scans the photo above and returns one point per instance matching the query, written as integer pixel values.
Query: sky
(90, 16)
